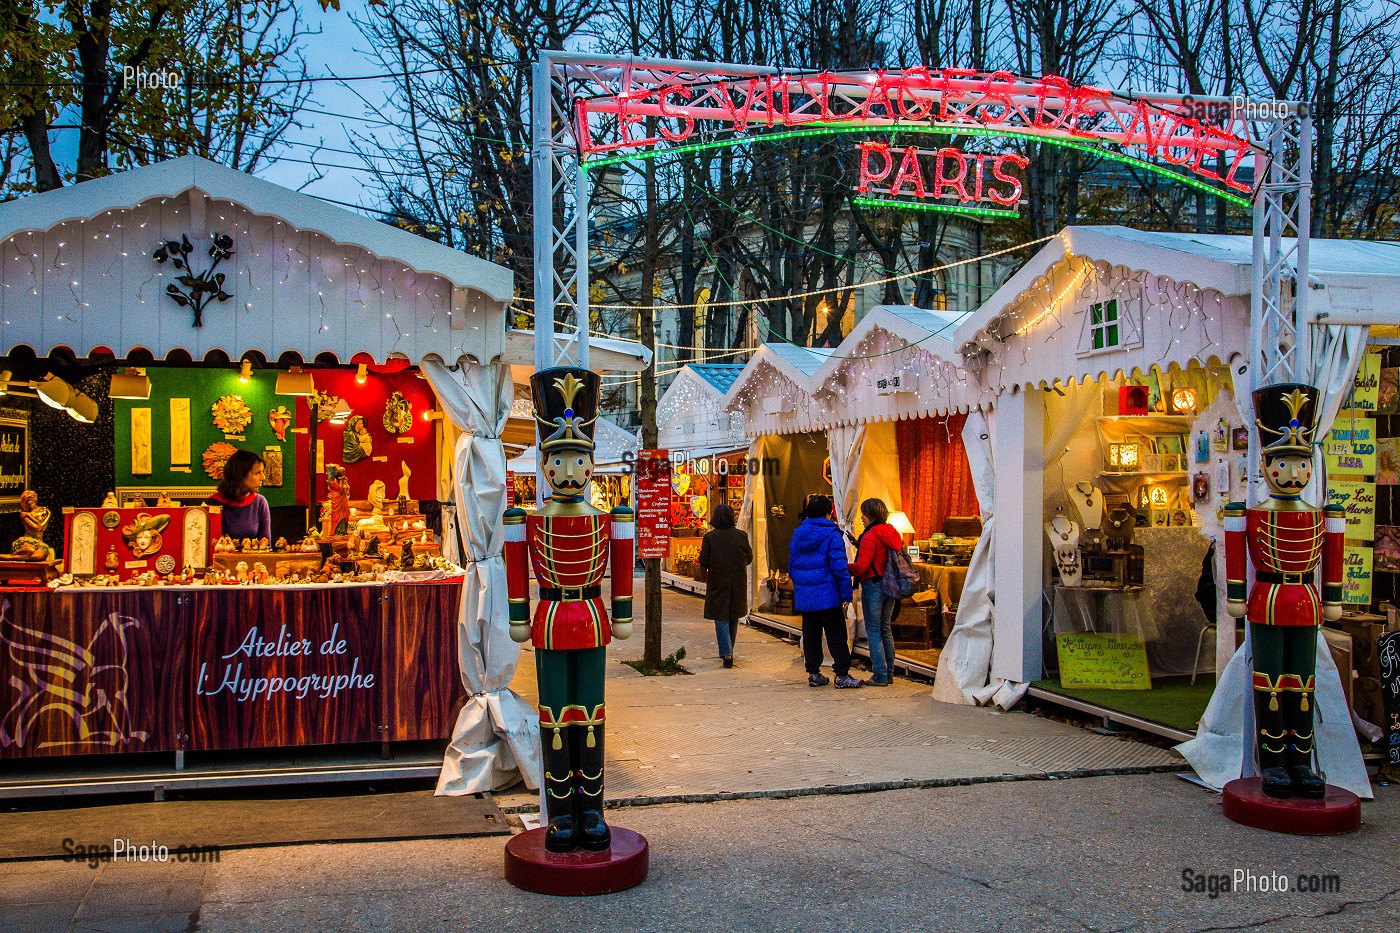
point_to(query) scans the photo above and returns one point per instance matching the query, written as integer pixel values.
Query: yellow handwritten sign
(1350, 447)
(1090, 661)
(1366, 390)
(1356, 575)
(1359, 500)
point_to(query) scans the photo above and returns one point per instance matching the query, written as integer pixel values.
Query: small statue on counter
(224, 545)
(111, 562)
(263, 545)
(163, 501)
(109, 501)
(281, 544)
(142, 534)
(259, 573)
(403, 486)
(407, 550)
(35, 518)
(241, 570)
(338, 501)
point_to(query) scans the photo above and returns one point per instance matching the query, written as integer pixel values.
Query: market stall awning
(82, 273)
(605, 354)
(774, 391)
(691, 414)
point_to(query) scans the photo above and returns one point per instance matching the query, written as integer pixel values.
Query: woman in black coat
(725, 555)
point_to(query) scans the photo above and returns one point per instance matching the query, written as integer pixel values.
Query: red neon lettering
(1015, 194)
(687, 124)
(977, 184)
(996, 90)
(779, 101)
(1082, 104)
(909, 169)
(947, 95)
(1211, 133)
(581, 131)
(1189, 142)
(879, 96)
(943, 180)
(1259, 166)
(866, 175)
(1051, 86)
(909, 104)
(739, 115)
(821, 94)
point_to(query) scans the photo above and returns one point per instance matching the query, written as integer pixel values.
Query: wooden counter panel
(422, 699)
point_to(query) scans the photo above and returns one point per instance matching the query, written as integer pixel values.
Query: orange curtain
(934, 478)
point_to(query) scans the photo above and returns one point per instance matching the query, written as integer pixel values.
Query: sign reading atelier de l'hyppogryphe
(1092, 661)
(14, 458)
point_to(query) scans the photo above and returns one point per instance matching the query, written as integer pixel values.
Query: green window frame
(1105, 331)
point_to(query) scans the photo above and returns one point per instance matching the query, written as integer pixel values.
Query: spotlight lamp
(295, 382)
(53, 392)
(245, 371)
(361, 373)
(132, 383)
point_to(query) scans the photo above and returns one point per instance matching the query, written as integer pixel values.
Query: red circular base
(580, 872)
(1246, 803)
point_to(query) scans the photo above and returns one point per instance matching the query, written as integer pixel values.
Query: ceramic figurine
(263, 545)
(109, 501)
(569, 544)
(241, 570)
(1287, 540)
(398, 414)
(337, 501)
(259, 572)
(281, 544)
(356, 444)
(163, 501)
(111, 562)
(142, 534)
(403, 487)
(280, 419)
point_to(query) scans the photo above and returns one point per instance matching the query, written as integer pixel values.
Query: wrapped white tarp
(495, 742)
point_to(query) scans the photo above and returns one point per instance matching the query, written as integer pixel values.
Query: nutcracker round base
(1246, 803)
(578, 873)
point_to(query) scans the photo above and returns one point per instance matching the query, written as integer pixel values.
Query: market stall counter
(192, 668)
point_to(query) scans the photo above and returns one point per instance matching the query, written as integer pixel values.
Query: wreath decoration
(215, 456)
(398, 414)
(232, 414)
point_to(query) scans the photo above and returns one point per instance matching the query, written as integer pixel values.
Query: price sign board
(1091, 661)
(653, 485)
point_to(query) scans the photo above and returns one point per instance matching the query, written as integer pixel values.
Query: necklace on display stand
(1091, 511)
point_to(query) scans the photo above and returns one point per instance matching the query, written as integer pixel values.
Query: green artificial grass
(1172, 701)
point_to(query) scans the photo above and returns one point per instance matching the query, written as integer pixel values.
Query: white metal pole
(543, 178)
(581, 259)
(1302, 356)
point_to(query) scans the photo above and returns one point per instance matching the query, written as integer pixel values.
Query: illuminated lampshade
(53, 391)
(130, 383)
(295, 382)
(1124, 457)
(1184, 400)
(341, 412)
(81, 407)
(901, 523)
(1144, 495)
(1159, 497)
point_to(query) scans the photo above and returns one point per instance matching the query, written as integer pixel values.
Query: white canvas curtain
(496, 738)
(753, 518)
(845, 445)
(447, 489)
(966, 659)
(1223, 748)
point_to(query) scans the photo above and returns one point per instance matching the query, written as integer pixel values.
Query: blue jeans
(726, 633)
(876, 609)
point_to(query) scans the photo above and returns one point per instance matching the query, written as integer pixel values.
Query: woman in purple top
(245, 512)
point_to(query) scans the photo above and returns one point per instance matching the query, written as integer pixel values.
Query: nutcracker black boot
(1298, 716)
(1272, 737)
(560, 798)
(594, 834)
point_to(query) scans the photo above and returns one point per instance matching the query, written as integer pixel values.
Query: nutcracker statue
(1287, 540)
(569, 543)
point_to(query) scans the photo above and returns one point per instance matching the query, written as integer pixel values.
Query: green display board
(1105, 662)
(204, 387)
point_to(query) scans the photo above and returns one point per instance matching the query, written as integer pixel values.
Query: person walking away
(821, 584)
(725, 555)
(877, 609)
(246, 513)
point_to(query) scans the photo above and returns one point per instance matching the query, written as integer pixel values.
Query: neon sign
(1049, 107)
(973, 178)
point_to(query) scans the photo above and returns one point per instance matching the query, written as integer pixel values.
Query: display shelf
(1173, 474)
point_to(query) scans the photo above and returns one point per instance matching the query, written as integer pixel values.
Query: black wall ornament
(199, 289)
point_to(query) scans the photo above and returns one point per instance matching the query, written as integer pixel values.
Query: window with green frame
(1104, 331)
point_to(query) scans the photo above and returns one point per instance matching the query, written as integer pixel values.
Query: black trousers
(833, 622)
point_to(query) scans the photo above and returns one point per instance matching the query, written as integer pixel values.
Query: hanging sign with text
(1359, 500)
(14, 458)
(1388, 650)
(1356, 575)
(653, 485)
(1366, 389)
(973, 179)
(1351, 444)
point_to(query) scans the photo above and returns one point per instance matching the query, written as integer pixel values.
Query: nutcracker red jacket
(873, 551)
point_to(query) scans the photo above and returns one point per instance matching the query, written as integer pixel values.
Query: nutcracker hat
(566, 407)
(1286, 415)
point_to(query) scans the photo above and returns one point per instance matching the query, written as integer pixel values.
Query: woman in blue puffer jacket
(821, 586)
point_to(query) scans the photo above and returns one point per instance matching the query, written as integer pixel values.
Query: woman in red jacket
(872, 553)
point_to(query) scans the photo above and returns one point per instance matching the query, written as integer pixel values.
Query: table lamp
(901, 524)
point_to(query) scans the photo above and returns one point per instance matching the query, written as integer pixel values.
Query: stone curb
(867, 787)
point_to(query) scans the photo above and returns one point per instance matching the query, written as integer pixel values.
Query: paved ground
(757, 729)
(1012, 850)
(1089, 854)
